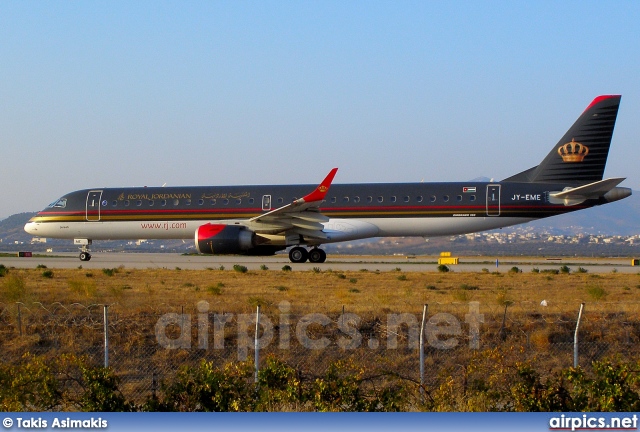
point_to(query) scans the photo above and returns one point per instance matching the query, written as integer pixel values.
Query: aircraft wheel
(85, 256)
(317, 256)
(298, 255)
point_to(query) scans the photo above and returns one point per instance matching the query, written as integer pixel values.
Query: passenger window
(432, 198)
(239, 201)
(445, 198)
(472, 198)
(419, 198)
(369, 199)
(345, 199)
(356, 199)
(200, 202)
(187, 202)
(126, 203)
(163, 203)
(380, 199)
(334, 199)
(459, 198)
(280, 200)
(225, 201)
(150, 203)
(406, 199)
(176, 202)
(114, 203)
(251, 200)
(393, 199)
(212, 202)
(139, 203)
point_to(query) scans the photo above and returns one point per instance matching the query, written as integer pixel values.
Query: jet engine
(222, 239)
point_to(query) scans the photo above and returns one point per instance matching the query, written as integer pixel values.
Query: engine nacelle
(224, 239)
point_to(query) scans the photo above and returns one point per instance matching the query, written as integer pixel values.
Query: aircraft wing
(577, 195)
(301, 216)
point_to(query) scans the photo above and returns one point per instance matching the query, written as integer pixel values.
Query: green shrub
(215, 289)
(443, 268)
(14, 289)
(286, 268)
(596, 292)
(47, 274)
(550, 271)
(240, 268)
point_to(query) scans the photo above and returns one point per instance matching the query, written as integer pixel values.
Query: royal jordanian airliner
(261, 220)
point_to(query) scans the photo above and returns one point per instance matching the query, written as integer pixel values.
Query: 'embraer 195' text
(527, 197)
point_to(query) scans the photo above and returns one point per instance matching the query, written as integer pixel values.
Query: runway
(101, 260)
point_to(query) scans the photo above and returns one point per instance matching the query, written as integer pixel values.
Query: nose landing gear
(84, 244)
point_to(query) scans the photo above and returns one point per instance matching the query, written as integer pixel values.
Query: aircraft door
(93, 205)
(493, 200)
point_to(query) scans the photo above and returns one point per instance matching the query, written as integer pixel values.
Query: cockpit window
(61, 203)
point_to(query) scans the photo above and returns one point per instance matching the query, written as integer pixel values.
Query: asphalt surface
(335, 262)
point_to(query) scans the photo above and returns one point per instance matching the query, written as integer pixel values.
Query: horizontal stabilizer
(577, 195)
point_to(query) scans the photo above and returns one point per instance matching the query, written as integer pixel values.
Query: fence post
(503, 332)
(19, 320)
(424, 318)
(106, 336)
(575, 338)
(256, 345)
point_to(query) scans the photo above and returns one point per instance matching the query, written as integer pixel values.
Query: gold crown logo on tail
(573, 151)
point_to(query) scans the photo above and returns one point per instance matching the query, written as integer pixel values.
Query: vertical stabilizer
(581, 155)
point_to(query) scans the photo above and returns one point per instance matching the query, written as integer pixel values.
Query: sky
(118, 93)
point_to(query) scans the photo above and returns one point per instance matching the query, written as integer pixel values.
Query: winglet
(321, 191)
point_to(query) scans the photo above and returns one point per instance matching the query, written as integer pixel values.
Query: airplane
(263, 219)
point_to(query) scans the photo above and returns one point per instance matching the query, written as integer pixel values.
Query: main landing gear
(299, 254)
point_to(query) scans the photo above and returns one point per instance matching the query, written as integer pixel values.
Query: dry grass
(231, 291)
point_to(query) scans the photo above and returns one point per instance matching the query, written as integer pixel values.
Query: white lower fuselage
(337, 229)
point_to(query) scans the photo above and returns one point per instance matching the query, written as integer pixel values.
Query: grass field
(312, 291)
(53, 311)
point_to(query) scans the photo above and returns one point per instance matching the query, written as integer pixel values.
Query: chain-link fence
(147, 347)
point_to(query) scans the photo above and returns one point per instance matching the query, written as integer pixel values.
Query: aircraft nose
(31, 228)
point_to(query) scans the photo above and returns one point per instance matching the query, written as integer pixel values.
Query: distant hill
(618, 218)
(12, 228)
